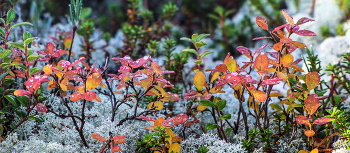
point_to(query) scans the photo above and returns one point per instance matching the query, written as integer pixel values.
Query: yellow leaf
(287, 59)
(287, 102)
(199, 80)
(269, 70)
(314, 151)
(283, 76)
(93, 81)
(231, 64)
(156, 68)
(103, 85)
(149, 106)
(201, 107)
(98, 98)
(214, 76)
(159, 105)
(275, 94)
(47, 69)
(175, 147)
(67, 42)
(303, 151)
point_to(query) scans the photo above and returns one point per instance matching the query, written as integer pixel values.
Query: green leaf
(13, 126)
(198, 62)
(20, 65)
(210, 126)
(5, 111)
(10, 16)
(2, 31)
(26, 35)
(201, 36)
(322, 92)
(200, 44)
(17, 44)
(3, 75)
(2, 20)
(276, 106)
(190, 50)
(337, 99)
(194, 37)
(297, 89)
(37, 118)
(22, 24)
(29, 40)
(221, 104)
(34, 70)
(40, 90)
(206, 103)
(290, 108)
(24, 100)
(205, 53)
(293, 81)
(1, 129)
(226, 116)
(42, 98)
(186, 39)
(33, 57)
(21, 114)
(12, 100)
(6, 53)
(228, 131)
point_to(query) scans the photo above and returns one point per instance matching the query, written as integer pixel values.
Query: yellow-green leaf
(93, 81)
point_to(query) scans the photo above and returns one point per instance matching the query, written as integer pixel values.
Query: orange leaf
(159, 122)
(80, 89)
(287, 59)
(156, 68)
(93, 81)
(90, 96)
(312, 80)
(119, 141)
(309, 133)
(146, 82)
(115, 149)
(278, 46)
(76, 96)
(259, 95)
(98, 137)
(70, 87)
(288, 18)
(261, 62)
(299, 44)
(311, 103)
(98, 98)
(261, 22)
(199, 80)
(47, 69)
(119, 137)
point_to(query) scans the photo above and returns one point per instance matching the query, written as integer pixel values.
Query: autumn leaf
(76, 96)
(90, 96)
(175, 147)
(93, 81)
(305, 33)
(47, 69)
(259, 95)
(233, 78)
(98, 137)
(312, 80)
(287, 59)
(309, 133)
(115, 149)
(199, 80)
(40, 107)
(156, 68)
(180, 119)
(278, 46)
(261, 22)
(147, 118)
(302, 119)
(21, 92)
(67, 42)
(261, 62)
(231, 64)
(311, 103)
(159, 105)
(288, 18)
(322, 120)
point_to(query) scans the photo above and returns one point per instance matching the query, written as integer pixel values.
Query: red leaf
(50, 48)
(156, 68)
(34, 83)
(294, 95)
(192, 122)
(220, 82)
(280, 27)
(302, 119)
(286, 40)
(249, 80)
(304, 20)
(312, 80)
(258, 38)
(90, 96)
(76, 62)
(98, 137)
(64, 64)
(119, 137)
(124, 69)
(221, 68)
(21, 92)
(191, 95)
(288, 18)
(273, 81)
(139, 62)
(76, 96)
(245, 51)
(311, 103)
(261, 22)
(147, 118)
(322, 120)
(260, 48)
(40, 107)
(125, 60)
(305, 33)
(115, 149)
(233, 78)
(180, 119)
(261, 62)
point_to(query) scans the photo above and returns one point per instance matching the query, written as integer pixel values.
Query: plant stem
(71, 45)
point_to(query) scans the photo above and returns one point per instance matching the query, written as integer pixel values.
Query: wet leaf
(233, 78)
(302, 119)
(90, 96)
(304, 20)
(21, 92)
(261, 62)
(231, 64)
(312, 80)
(180, 119)
(76, 96)
(277, 47)
(147, 118)
(93, 81)
(199, 80)
(47, 69)
(299, 44)
(40, 107)
(261, 22)
(98, 137)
